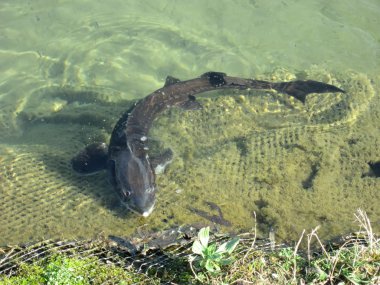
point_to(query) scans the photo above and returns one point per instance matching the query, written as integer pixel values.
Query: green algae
(289, 163)
(296, 166)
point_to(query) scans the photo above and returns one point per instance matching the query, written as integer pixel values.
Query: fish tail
(300, 89)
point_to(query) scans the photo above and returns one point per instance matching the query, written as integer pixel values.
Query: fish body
(131, 171)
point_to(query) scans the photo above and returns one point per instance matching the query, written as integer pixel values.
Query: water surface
(70, 68)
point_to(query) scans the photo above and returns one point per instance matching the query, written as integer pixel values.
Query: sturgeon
(130, 169)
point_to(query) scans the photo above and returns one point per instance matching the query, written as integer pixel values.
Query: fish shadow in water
(216, 219)
(84, 108)
(95, 186)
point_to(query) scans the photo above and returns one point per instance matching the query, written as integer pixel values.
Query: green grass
(355, 262)
(60, 269)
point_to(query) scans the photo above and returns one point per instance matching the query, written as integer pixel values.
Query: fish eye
(124, 195)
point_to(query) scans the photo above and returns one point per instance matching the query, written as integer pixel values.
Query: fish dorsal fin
(215, 78)
(171, 80)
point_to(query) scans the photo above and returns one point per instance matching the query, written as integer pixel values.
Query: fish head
(134, 179)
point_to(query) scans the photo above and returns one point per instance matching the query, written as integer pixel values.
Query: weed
(210, 257)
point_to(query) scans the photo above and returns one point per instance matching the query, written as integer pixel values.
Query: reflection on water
(70, 70)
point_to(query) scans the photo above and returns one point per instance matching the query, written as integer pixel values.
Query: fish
(130, 169)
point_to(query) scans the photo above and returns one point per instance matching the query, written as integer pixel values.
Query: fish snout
(143, 204)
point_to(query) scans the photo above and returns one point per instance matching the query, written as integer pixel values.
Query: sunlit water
(69, 67)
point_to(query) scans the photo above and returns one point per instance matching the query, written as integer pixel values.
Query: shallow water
(69, 69)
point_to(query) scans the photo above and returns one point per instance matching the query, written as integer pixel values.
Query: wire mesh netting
(296, 166)
(154, 252)
(161, 254)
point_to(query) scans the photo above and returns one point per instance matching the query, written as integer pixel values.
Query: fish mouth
(144, 213)
(147, 213)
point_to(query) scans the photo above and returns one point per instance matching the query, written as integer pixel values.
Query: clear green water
(123, 50)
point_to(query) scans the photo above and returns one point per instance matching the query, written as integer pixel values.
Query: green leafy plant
(210, 257)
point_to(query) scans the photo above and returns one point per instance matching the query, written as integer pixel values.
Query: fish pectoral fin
(161, 161)
(191, 104)
(170, 80)
(91, 160)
